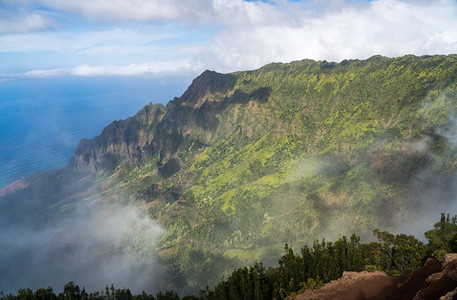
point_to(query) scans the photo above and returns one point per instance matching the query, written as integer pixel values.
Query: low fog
(95, 243)
(98, 244)
(435, 186)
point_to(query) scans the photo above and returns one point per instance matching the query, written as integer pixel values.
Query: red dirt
(356, 286)
(15, 186)
(429, 282)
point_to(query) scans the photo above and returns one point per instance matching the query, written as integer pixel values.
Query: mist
(48, 234)
(435, 186)
(94, 245)
(422, 167)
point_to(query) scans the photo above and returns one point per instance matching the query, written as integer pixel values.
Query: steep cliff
(242, 163)
(158, 132)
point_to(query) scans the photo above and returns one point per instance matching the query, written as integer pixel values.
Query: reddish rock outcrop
(433, 281)
(14, 187)
(353, 285)
(417, 280)
(441, 283)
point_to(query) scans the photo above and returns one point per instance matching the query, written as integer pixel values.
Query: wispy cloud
(138, 10)
(191, 11)
(23, 23)
(157, 69)
(84, 40)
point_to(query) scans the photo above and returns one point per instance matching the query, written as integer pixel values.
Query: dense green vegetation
(319, 264)
(244, 163)
(314, 266)
(72, 291)
(332, 148)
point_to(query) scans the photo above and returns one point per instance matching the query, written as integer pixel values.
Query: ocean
(42, 121)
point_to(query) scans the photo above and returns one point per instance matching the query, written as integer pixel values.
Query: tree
(168, 295)
(443, 237)
(25, 294)
(398, 253)
(45, 294)
(71, 291)
(408, 253)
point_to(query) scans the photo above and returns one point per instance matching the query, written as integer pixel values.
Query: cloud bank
(133, 37)
(93, 246)
(390, 28)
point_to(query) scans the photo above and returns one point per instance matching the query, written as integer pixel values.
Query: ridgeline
(246, 162)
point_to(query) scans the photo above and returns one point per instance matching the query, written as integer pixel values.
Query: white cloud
(157, 69)
(25, 23)
(190, 11)
(386, 27)
(139, 10)
(229, 35)
(80, 41)
(256, 33)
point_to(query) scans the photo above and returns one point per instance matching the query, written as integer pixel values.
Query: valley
(245, 162)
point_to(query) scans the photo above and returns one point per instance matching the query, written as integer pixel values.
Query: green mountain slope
(243, 163)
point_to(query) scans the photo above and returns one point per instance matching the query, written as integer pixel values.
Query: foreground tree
(443, 237)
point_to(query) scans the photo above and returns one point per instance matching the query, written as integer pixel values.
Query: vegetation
(72, 291)
(244, 163)
(319, 264)
(314, 266)
(443, 238)
(333, 148)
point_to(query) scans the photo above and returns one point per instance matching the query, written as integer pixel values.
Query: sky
(162, 38)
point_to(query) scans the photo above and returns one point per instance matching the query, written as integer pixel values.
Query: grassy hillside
(243, 163)
(297, 151)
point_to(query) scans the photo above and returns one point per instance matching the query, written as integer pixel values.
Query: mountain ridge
(244, 162)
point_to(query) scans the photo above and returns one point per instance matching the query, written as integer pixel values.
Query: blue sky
(160, 38)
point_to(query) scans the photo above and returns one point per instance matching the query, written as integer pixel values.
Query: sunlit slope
(245, 162)
(242, 163)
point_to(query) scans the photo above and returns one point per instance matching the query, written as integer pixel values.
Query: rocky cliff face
(157, 132)
(441, 285)
(129, 141)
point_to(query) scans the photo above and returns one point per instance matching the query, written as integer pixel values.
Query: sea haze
(42, 121)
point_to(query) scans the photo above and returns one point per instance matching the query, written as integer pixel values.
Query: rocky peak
(209, 86)
(157, 131)
(129, 140)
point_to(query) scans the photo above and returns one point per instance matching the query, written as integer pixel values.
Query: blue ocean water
(41, 121)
